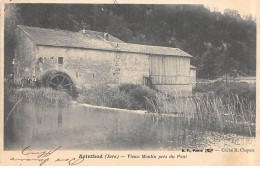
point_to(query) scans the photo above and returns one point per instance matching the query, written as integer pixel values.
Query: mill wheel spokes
(60, 82)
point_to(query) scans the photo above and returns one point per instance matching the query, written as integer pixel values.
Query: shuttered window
(60, 60)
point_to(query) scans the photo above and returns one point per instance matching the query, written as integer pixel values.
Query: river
(79, 127)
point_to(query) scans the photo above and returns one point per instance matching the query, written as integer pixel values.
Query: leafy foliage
(138, 94)
(128, 96)
(102, 95)
(225, 90)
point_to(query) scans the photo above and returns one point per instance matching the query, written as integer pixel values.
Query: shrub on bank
(138, 94)
(103, 95)
(242, 89)
(128, 96)
(223, 90)
(127, 87)
(205, 87)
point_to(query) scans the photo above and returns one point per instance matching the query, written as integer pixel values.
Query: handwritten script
(42, 157)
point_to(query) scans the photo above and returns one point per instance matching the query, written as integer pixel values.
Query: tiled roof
(158, 50)
(62, 38)
(99, 35)
(93, 40)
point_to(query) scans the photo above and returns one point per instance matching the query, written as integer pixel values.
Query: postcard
(129, 83)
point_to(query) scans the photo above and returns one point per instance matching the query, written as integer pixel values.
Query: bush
(120, 100)
(128, 96)
(103, 95)
(139, 96)
(205, 87)
(224, 90)
(127, 87)
(242, 89)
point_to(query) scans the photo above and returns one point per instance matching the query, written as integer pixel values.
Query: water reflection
(59, 117)
(79, 127)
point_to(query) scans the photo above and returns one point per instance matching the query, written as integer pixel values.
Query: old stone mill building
(67, 60)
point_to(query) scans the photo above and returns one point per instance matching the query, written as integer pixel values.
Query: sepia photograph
(129, 77)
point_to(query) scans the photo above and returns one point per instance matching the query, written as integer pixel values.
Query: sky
(244, 7)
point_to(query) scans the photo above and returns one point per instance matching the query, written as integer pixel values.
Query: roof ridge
(99, 32)
(148, 45)
(178, 49)
(92, 30)
(55, 29)
(49, 29)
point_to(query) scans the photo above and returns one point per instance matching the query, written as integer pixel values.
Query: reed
(37, 95)
(210, 112)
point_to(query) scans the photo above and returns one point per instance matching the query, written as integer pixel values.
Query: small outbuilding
(68, 60)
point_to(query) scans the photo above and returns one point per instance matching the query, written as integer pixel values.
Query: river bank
(126, 110)
(110, 108)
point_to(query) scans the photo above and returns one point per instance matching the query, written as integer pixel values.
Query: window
(40, 59)
(60, 60)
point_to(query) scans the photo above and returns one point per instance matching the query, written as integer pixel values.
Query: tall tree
(12, 13)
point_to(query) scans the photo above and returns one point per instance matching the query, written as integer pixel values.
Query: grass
(47, 96)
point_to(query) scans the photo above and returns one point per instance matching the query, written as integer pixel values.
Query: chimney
(84, 29)
(117, 46)
(106, 36)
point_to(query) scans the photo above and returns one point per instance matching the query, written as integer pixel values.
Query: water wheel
(60, 81)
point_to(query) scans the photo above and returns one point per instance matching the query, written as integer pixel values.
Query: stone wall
(93, 67)
(85, 67)
(24, 57)
(132, 67)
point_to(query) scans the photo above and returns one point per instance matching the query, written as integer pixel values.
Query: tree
(11, 20)
(118, 27)
(208, 68)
